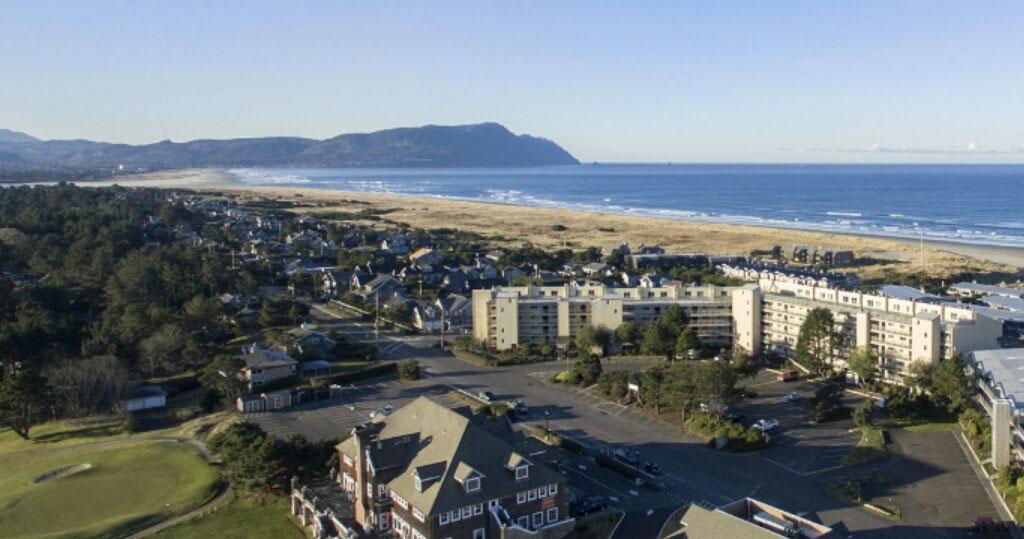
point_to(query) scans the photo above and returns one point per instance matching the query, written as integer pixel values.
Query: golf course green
(104, 487)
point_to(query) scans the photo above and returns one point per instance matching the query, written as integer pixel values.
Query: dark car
(735, 417)
(485, 396)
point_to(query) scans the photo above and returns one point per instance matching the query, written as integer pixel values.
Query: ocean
(976, 204)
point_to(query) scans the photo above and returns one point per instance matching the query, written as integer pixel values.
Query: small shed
(145, 398)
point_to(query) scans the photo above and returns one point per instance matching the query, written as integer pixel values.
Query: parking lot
(798, 446)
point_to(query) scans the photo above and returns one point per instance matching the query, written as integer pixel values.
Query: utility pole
(442, 329)
(376, 317)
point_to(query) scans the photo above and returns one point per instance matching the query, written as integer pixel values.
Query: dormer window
(472, 484)
(522, 472)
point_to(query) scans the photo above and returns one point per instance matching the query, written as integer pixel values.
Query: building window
(347, 459)
(553, 489)
(478, 509)
(524, 522)
(467, 512)
(382, 491)
(418, 514)
(538, 519)
(385, 521)
(553, 514)
(473, 484)
(520, 497)
(445, 518)
(543, 492)
(456, 515)
(492, 503)
(522, 472)
(479, 533)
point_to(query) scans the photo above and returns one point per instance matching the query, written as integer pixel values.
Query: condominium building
(762, 317)
(428, 471)
(507, 317)
(1001, 395)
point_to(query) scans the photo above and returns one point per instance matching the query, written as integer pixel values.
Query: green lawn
(870, 447)
(128, 486)
(240, 519)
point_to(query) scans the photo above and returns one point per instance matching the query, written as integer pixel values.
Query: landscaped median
(466, 348)
(859, 490)
(871, 446)
(557, 440)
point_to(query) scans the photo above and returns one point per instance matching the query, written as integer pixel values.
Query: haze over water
(979, 204)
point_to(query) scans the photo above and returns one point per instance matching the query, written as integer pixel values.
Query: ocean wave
(894, 224)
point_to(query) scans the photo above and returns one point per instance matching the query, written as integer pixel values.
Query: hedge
(621, 468)
(356, 376)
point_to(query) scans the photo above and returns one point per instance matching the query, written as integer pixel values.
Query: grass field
(133, 482)
(240, 519)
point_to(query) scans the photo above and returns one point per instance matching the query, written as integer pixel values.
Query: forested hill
(477, 145)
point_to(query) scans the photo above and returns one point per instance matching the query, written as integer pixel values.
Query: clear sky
(610, 81)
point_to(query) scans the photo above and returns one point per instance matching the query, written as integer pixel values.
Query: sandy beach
(880, 257)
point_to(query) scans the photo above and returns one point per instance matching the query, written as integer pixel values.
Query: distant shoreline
(214, 179)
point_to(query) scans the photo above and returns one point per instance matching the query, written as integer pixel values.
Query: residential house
(265, 366)
(426, 255)
(334, 283)
(309, 341)
(597, 269)
(427, 472)
(458, 311)
(427, 318)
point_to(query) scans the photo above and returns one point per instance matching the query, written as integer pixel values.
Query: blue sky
(610, 81)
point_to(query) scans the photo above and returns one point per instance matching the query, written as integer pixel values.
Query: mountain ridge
(473, 145)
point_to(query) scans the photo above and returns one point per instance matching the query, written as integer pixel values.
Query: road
(692, 472)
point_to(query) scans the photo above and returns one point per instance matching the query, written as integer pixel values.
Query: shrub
(410, 370)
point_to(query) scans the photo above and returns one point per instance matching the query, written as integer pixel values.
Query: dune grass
(240, 519)
(132, 482)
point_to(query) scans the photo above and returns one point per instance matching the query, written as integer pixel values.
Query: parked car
(748, 393)
(765, 425)
(789, 376)
(627, 456)
(383, 410)
(791, 397)
(485, 396)
(734, 417)
(651, 468)
(519, 407)
(588, 505)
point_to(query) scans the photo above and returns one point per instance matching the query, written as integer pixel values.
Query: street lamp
(547, 428)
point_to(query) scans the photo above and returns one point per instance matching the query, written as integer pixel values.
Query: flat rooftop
(1004, 369)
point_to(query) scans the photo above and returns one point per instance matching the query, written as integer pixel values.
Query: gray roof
(704, 523)
(267, 358)
(907, 292)
(1004, 302)
(425, 435)
(1004, 369)
(989, 289)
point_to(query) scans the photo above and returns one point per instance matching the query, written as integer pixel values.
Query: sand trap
(62, 472)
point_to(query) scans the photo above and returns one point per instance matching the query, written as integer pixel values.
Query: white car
(765, 425)
(792, 397)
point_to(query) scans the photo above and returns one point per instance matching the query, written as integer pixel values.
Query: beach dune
(880, 258)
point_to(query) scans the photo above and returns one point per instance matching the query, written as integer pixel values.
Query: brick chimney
(363, 502)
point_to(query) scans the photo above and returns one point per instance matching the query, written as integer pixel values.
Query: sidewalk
(990, 489)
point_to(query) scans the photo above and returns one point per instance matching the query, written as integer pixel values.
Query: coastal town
(362, 377)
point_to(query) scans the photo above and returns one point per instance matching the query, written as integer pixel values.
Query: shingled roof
(433, 439)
